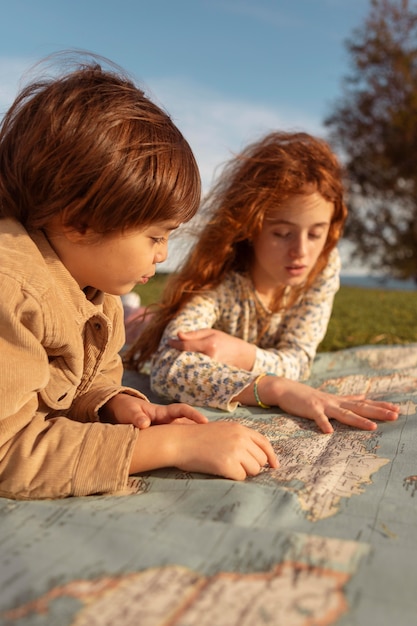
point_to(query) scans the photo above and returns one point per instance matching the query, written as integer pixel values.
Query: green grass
(360, 316)
(371, 316)
(151, 292)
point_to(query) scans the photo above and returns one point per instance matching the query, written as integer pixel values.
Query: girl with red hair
(241, 320)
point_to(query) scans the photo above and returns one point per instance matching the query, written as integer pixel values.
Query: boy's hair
(91, 146)
(251, 185)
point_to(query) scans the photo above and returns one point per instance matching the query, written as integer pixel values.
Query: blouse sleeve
(193, 377)
(303, 327)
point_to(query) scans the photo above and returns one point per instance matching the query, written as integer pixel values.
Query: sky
(227, 71)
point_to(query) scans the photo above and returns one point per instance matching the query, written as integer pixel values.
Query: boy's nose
(162, 254)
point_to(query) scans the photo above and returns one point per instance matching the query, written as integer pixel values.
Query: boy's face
(114, 264)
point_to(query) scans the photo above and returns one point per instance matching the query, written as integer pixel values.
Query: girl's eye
(159, 240)
(316, 235)
(283, 235)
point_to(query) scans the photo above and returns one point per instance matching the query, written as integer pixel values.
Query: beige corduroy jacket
(59, 363)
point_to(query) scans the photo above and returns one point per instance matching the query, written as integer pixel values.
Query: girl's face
(290, 242)
(114, 264)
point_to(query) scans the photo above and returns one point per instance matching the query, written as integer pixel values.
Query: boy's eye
(159, 240)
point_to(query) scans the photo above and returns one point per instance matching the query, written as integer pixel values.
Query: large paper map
(328, 538)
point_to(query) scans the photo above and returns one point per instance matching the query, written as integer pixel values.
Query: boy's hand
(126, 409)
(226, 449)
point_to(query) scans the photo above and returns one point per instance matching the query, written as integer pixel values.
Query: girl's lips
(296, 270)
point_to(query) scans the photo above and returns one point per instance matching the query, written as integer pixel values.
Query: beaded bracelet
(256, 393)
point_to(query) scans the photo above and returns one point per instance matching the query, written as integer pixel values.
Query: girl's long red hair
(254, 183)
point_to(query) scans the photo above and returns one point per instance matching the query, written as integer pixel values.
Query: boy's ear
(75, 236)
(58, 227)
(83, 235)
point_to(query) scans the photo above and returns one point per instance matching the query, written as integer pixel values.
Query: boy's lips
(145, 279)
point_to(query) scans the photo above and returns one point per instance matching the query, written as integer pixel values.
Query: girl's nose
(298, 248)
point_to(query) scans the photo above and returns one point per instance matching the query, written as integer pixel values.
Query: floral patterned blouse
(287, 348)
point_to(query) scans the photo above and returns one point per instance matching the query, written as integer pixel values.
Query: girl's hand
(304, 401)
(217, 345)
(225, 449)
(126, 409)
